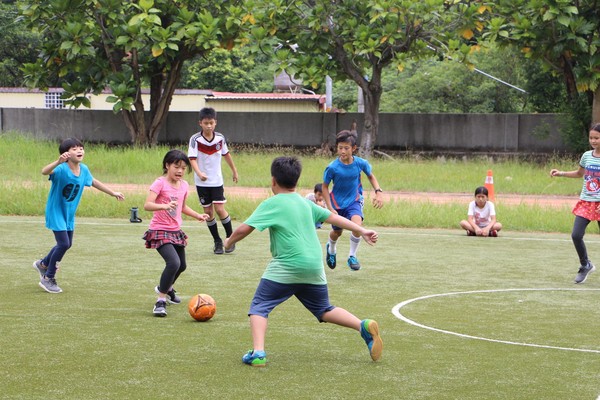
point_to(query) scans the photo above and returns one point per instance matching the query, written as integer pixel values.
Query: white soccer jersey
(208, 154)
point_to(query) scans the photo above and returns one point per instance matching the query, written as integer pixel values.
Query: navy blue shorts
(270, 294)
(355, 208)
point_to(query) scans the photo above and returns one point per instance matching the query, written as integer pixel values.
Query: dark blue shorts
(270, 294)
(355, 208)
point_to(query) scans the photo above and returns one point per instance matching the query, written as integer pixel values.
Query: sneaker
(583, 272)
(369, 330)
(160, 309)
(331, 260)
(255, 358)
(230, 250)
(40, 268)
(218, 249)
(172, 297)
(353, 263)
(493, 233)
(49, 285)
(471, 233)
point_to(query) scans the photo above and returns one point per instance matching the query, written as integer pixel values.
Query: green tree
(565, 35)
(221, 70)
(18, 46)
(358, 39)
(88, 45)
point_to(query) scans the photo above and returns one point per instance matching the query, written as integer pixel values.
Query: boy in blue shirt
(296, 268)
(69, 176)
(346, 198)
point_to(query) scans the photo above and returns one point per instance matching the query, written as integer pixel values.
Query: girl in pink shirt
(166, 199)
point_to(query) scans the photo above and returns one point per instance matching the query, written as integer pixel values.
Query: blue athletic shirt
(347, 187)
(64, 197)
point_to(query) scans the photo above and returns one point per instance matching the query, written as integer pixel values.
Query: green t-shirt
(295, 246)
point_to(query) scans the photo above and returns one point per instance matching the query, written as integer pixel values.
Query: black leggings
(174, 257)
(577, 234)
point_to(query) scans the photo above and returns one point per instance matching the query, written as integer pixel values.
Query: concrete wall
(427, 132)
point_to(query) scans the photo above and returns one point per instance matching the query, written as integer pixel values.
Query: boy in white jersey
(206, 149)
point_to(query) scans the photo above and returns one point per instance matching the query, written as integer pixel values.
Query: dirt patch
(388, 196)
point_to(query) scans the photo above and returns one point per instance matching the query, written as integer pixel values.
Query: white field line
(399, 315)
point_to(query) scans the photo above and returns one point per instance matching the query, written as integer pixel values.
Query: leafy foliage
(88, 45)
(18, 46)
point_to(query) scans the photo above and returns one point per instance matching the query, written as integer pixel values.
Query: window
(53, 100)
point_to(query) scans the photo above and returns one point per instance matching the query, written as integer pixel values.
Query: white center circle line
(399, 315)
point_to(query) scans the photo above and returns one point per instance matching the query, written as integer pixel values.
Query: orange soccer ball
(202, 307)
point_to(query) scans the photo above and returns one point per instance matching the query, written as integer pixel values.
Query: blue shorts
(270, 294)
(355, 208)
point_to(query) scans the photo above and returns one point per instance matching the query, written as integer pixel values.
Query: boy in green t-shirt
(297, 265)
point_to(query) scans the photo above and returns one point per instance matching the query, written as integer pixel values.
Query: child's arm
(191, 213)
(327, 198)
(578, 173)
(49, 169)
(488, 227)
(103, 188)
(378, 200)
(240, 233)
(196, 168)
(476, 227)
(152, 205)
(229, 162)
(369, 235)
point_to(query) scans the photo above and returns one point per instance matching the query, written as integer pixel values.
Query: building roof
(266, 96)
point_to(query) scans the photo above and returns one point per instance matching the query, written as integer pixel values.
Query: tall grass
(23, 189)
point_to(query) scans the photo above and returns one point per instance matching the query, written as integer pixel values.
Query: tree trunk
(596, 106)
(372, 97)
(160, 98)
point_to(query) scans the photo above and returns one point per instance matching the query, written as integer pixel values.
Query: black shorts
(210, 195)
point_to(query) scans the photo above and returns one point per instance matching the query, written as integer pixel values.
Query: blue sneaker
(353, 263)
(255, 358)
(331, 260)
(369, 330)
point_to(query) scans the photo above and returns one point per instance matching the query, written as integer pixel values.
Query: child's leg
(497, 226)
(224, 217)
(334, 235)
(467, 226)
(182, 263)
(577, 234)
(341, 317)
(172, 265)
(64, 240)
(258, 327)
(354, 241)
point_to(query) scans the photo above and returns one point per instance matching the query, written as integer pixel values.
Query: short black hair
(346, 137)
(67, 144)
(173, 157)
(318, 188)
(595, 127)
(286, 171)
(208, 113)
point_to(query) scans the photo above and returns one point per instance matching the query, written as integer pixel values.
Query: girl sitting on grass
(481, 216)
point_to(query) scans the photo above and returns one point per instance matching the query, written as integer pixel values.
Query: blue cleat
(331, 260)
(255, 358)
(353, 263)
(369, 330)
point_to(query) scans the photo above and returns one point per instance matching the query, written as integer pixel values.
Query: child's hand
(171, 205)
(378, 200)
(119, 196)
(370, 237)
(554, 172)
(64, 157)
(235, 177)
(202, 176)
(202, 217)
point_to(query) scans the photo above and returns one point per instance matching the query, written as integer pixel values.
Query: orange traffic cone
(489, 185)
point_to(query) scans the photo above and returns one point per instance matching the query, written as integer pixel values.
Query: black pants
(577, 234)
(174, 257)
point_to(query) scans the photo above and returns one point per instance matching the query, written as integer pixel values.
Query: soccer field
(461, 318)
